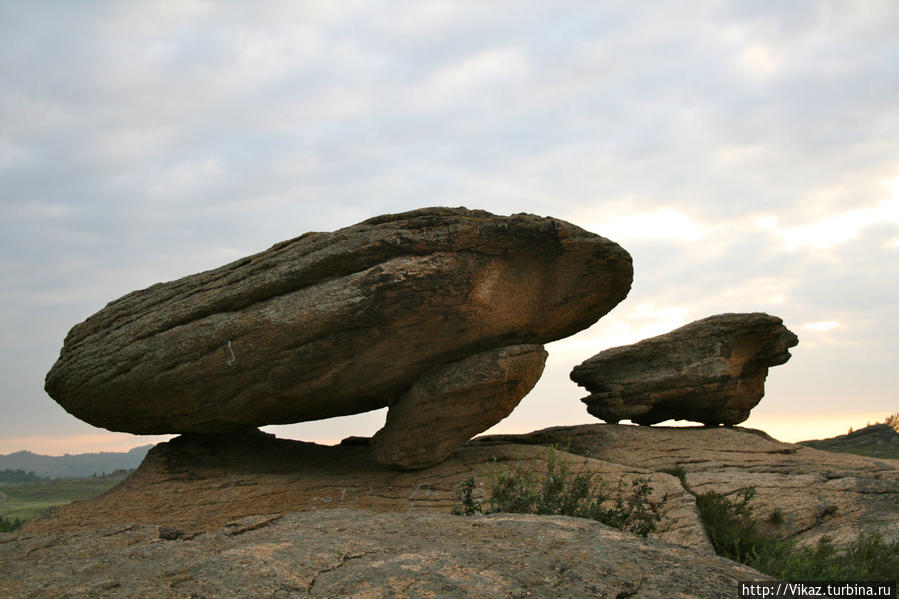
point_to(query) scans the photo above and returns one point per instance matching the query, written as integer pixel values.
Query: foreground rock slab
(254, 516)
(351, 553)
(198, 483)
(710, 371)
(331, 324)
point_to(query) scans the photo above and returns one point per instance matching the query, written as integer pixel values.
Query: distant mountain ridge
(74, 465)
(876, 440)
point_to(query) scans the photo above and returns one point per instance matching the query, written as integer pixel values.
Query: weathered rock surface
(198, 483)
(818, 492)
(330, 324)
(710, 371)
(351, 553)
(250, 515)
(451, 403)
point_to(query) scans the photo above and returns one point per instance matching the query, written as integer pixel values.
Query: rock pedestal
(710, 371)
(331, 324)
(450, 404)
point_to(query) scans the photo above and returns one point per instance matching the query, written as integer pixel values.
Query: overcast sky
(746, 154)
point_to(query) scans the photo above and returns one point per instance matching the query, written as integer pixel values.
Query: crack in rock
(343, 560)
(236, 528)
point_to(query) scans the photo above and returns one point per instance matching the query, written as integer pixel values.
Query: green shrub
(19, 476)
(559, 491)
(466, 505)
(8, 525)
(735, 534)
(868, 557)
(776, 517)
(893, 421)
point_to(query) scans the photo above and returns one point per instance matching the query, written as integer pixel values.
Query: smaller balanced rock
(710, 371)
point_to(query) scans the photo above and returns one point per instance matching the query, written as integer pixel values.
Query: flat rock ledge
(374, 315)
(710, 371)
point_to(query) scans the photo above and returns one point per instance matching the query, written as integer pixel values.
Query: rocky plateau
(234, 515)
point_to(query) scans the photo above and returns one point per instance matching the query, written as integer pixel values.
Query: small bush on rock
(9, 524)
(735, 534)
(868, 557)
(893, 421)
(561, 492)
(466, 504)
(731, 527)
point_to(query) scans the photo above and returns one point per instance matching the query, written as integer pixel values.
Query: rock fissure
(346, 557)
(238, 528)
(120, 531)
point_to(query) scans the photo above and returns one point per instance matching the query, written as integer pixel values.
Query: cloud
(823, 326)
(12, 155)
(481, 74)
(735, 150)
(421, 19)
(759, 60)
(628, 324)
(187, 178)
(835, 229)
(662, 223)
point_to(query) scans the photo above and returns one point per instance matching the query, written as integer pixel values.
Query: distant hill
(876, 441)
(74, 466)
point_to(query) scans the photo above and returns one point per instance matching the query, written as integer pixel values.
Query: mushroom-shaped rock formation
(402, 310)
(710, 371)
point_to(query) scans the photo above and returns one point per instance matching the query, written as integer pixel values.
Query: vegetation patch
(19, 476)
(735, 534)
(21, 501)
(7, 525)
(559, 491)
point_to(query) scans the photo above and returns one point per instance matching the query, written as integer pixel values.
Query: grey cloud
(141, 142)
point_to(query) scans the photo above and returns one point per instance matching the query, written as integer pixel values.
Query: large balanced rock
(331, 324)
(710, 371)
